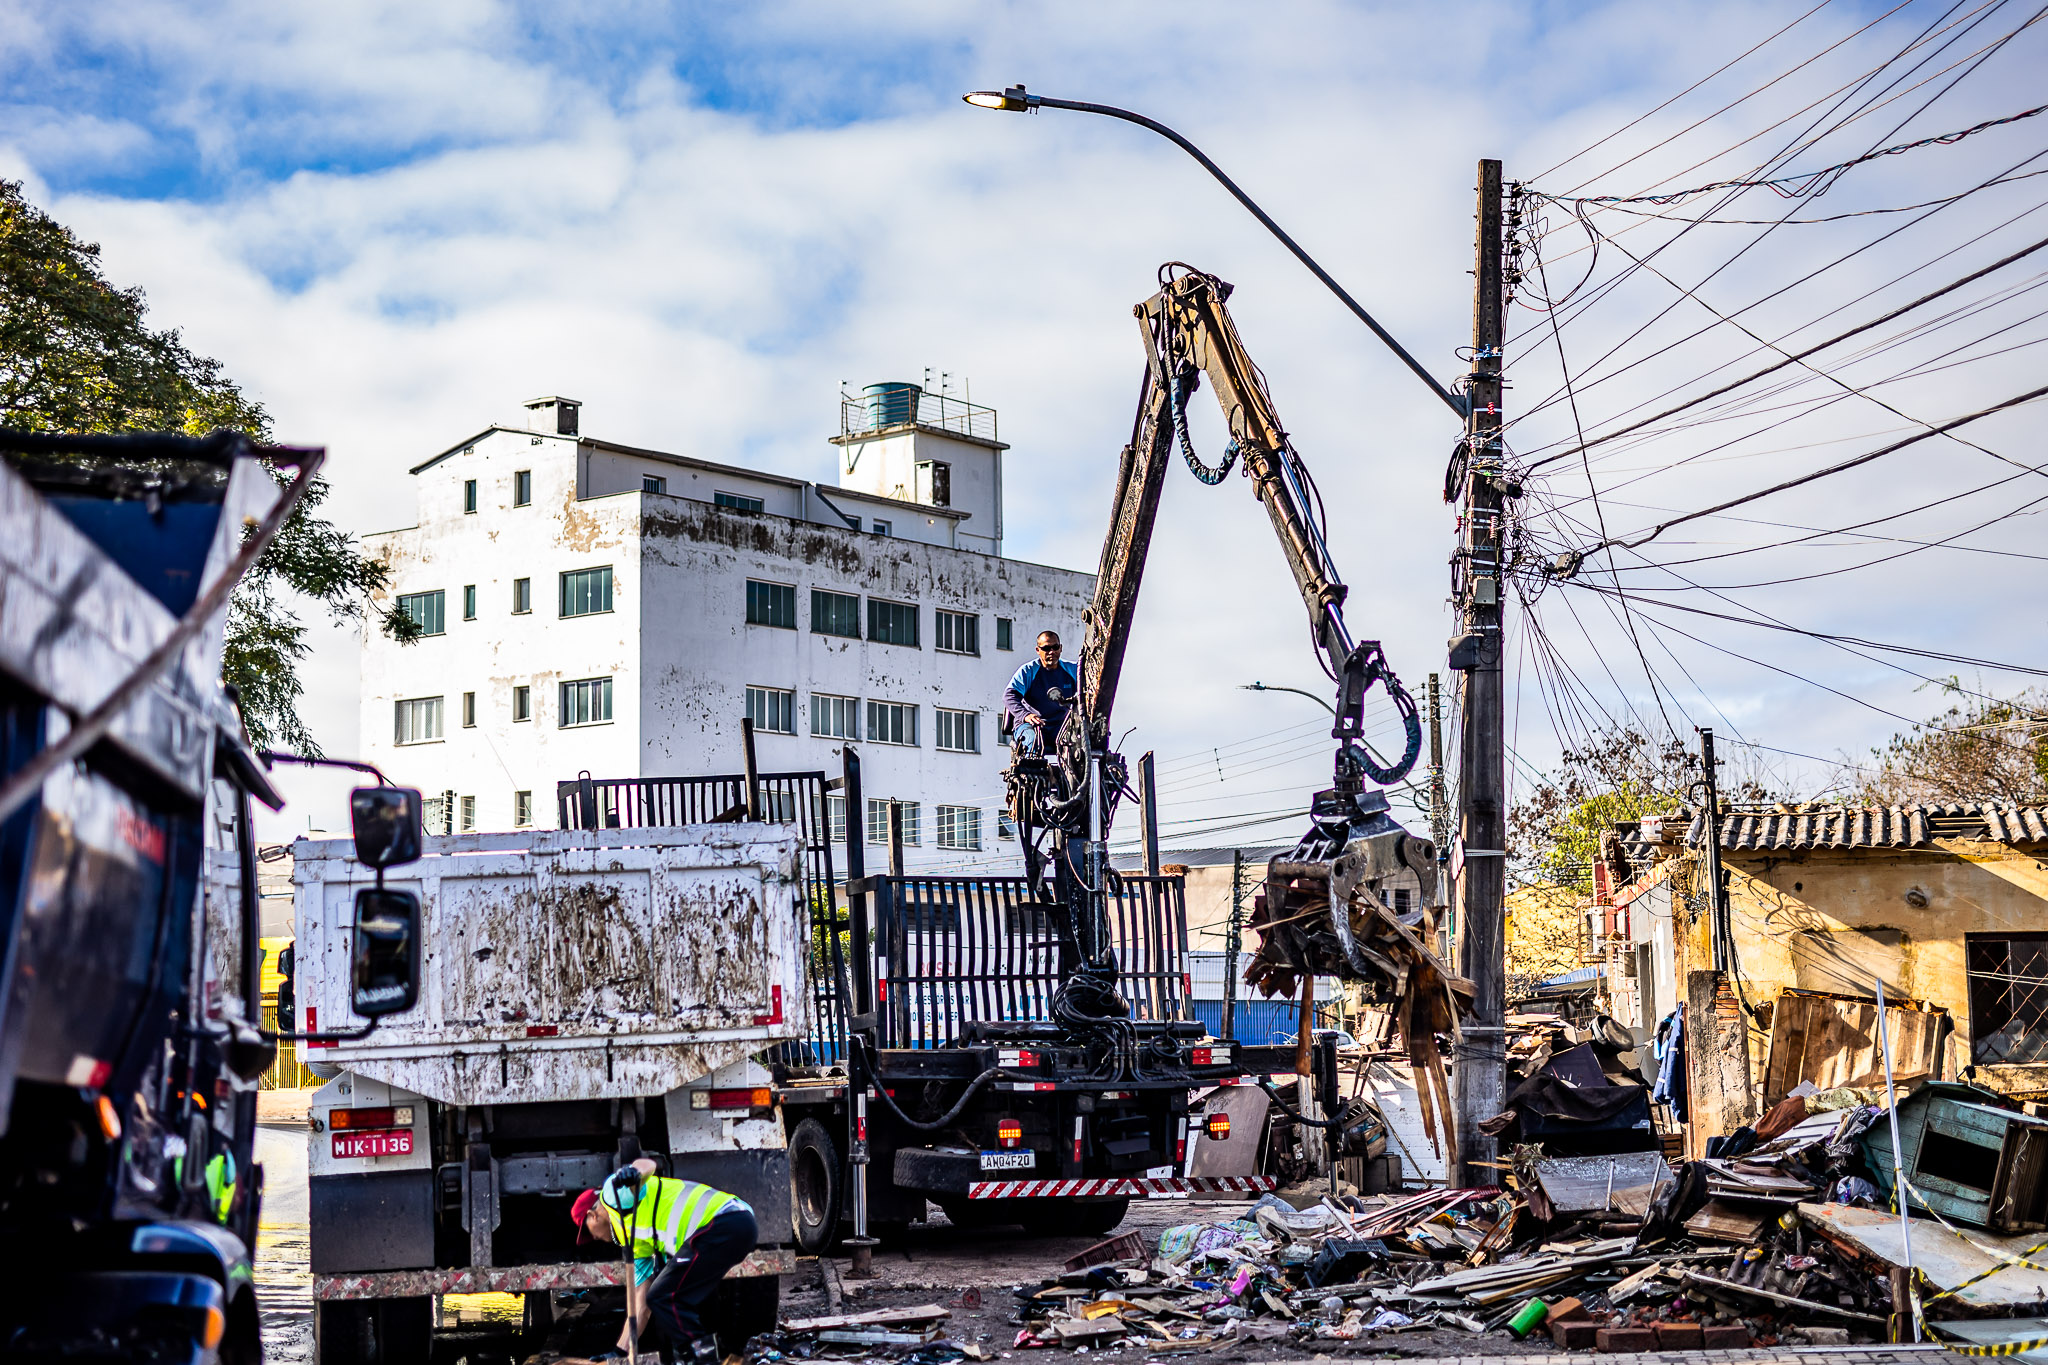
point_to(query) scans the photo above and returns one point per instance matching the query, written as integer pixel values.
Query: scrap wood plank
(1730, 1287)
(1721, 1223)
(878, 1317)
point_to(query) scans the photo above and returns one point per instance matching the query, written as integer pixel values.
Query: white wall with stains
(677, 643)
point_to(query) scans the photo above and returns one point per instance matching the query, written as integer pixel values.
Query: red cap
(580, 1211)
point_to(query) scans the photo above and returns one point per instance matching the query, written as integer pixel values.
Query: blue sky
(395, 221)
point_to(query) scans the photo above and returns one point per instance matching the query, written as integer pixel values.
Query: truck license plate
(1008, 1161)
(395, 1142)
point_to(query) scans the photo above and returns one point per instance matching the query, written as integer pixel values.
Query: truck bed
(568, 964)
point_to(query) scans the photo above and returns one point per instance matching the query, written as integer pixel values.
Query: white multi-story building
(590, 607)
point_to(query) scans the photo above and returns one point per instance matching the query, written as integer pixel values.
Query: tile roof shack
(1876, 827)
(1946, 904)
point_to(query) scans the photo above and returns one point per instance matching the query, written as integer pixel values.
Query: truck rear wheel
(373, 1331)
(814, 1187)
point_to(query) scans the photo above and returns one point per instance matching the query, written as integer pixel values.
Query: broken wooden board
(1719, 1222)
(879, 1317)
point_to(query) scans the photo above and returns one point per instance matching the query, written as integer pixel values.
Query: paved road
(284, 1284)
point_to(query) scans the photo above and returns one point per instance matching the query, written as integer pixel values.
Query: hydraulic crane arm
(1189, 335)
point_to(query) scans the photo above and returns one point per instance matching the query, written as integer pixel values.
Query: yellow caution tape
(1927, 1329)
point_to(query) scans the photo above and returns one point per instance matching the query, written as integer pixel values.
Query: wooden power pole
(1480, 1069)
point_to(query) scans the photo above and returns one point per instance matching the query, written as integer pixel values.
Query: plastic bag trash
(1387, 1318)
(1332, 1307)
(1853, 1189)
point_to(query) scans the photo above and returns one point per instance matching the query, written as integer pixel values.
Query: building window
(960, 827)
(772, 709)
(1006, 828)
(891, 723)
(1003, 633)
(653, 483)
(469, 710)
(835, 717)
(467, 820)
(878, 821)
(835, 613)
(2008, 998)
(522, 596)
(892, 623)
(1403, 898)
(881, 527)
(522, 809)
(522, 703)
(956, 632)
(771, 604)
(587, 701)
(419, 720)
(434, 814)
(958, 731)
(587, 592)
(469, 602)
(522, 488)
(469, 497)
(835, 819)
(428, 610)
(736, 502)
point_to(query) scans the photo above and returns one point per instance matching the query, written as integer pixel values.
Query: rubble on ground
(1607, 1252)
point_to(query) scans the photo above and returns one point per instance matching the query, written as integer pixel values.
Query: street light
(1408, 787)
(1017, 99)
(1299, 692)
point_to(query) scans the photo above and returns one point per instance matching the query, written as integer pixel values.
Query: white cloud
(395, 222)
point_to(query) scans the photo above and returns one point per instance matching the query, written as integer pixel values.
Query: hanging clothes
(1670, 1050)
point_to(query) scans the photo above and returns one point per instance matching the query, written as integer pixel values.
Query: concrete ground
(971, 1272)
(284, 1285)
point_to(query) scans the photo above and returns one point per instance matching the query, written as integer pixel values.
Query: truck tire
(815, 1177)
(373, 1331)
(743, 1309)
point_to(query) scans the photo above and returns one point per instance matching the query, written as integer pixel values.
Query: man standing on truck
(1039, 697)
(683, 1237)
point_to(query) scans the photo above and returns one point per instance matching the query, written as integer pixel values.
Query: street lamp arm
(1016, 97)
(1297, 691)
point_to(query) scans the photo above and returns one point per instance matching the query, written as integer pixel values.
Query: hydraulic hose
(1328, 1125)
(946, 1119)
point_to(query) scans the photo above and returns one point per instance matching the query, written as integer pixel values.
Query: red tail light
(1180, 1142)
(357, 1120)
(1200, 1056)
(760, 1097)
(1219, 1127)
(1009, 1132)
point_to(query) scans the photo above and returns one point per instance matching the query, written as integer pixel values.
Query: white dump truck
(586, 997)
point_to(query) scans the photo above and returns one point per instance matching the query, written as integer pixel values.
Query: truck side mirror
(386, 821)
(385, 962)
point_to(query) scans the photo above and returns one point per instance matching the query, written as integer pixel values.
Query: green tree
(78, 356)
(1564, 825)
(1980, 749)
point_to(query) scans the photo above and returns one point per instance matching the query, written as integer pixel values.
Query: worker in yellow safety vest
(683, 1237)
(220, 1184)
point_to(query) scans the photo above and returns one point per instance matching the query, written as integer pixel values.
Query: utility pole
(1482, 816)
(1231, 943)
(1717, 900)
(1439, 817)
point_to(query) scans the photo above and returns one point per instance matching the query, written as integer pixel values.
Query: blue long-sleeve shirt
(1048, 692)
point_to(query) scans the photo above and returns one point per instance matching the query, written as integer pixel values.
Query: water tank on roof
(891, 405)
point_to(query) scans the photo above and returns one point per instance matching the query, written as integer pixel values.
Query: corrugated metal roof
(1877, 826)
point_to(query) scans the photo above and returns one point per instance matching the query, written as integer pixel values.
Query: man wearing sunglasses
(1039, 697)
